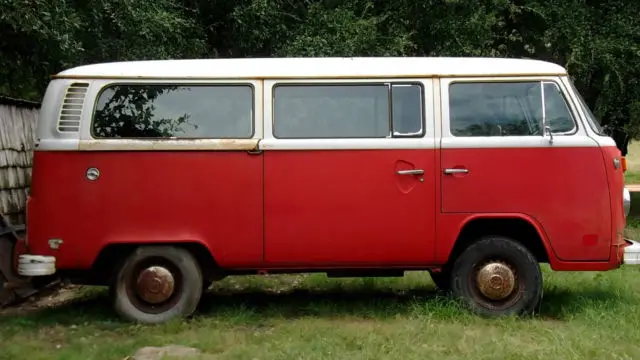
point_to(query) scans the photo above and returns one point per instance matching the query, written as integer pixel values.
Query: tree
(40, 37)
(596, 41)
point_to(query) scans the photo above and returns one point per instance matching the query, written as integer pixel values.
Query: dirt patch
(48, 298)
(169, 351)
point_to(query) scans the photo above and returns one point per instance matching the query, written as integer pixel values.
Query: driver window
(507, 109)
(558, 115)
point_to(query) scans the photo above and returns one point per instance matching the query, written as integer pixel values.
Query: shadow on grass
(254, 305)
(564, 304)
(362, 303)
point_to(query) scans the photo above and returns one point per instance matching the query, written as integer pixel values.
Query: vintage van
(157, 177)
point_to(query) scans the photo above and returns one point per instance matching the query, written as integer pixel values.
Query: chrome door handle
(410, 172)
(455, 171)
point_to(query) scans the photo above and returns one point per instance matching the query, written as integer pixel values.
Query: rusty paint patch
(155, 284)
(168, 144)
(496, 280)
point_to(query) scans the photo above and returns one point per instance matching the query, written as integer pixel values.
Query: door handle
(410, 172)
(455, 171)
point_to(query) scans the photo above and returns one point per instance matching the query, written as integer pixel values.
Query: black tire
(501, 252)
(206, 284)
(182, 301)
(441, 279)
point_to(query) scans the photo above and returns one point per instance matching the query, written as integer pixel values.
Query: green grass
(583, 315)
(589, 315)
(632, 176)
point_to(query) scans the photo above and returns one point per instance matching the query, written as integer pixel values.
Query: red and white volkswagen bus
(157, 177)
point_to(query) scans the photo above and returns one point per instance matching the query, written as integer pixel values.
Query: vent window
(71, 111)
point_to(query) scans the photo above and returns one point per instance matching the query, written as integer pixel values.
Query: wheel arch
(520, 227)
(112, 255)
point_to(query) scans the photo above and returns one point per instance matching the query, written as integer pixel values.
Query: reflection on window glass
(331, 111)
(347, 111)
(558, 115)
(163, 111)
(495, 109)
(507, 109)
(407, 109)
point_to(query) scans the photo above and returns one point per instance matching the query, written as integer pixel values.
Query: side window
(494, 109)
(406, 101)
(347, 110)
(507, 109)
(174, 111)
(557, 114)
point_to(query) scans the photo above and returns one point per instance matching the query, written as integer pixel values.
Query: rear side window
(348, 111)
(171, 111)
(507, 109)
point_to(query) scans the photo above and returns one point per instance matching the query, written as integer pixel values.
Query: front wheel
(497, 276)
(156, 284)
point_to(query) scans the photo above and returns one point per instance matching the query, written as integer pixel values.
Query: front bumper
(36, 265)
(626, 201)
(631, 253)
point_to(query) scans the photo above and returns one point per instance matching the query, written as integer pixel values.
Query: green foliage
(599, 42)
(346, 31)
(40, 38)
(130, 112)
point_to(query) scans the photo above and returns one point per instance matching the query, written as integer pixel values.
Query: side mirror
(547, 130)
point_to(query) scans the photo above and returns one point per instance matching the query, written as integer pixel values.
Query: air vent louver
(71, 111)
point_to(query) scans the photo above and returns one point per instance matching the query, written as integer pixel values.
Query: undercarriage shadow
(557, 304)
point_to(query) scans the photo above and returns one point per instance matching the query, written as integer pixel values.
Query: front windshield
(591, 119)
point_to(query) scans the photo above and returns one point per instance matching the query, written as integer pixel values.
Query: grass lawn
(589, 315)
(632, 176)
(583, 316)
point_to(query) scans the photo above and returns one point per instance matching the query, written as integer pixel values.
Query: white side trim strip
(57, 144)
(319, 144)
(347, 144)
(517, 142)
(604, 140)
(168, 144)
(147, 145)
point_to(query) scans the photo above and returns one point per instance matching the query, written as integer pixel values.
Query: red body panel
(326, 208)
(213, 198)
(564, 189)
(340, 207)
(616, 187)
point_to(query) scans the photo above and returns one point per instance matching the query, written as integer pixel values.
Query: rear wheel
(156, 284)
(497, 276)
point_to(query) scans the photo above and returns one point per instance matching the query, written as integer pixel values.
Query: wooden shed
(18, 120)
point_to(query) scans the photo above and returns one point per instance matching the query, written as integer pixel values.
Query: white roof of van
(265, 68)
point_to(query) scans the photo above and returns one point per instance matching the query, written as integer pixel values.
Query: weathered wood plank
(13, 201)
(17, 136)
(17, 127)
(14, 178)
(11, 158)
